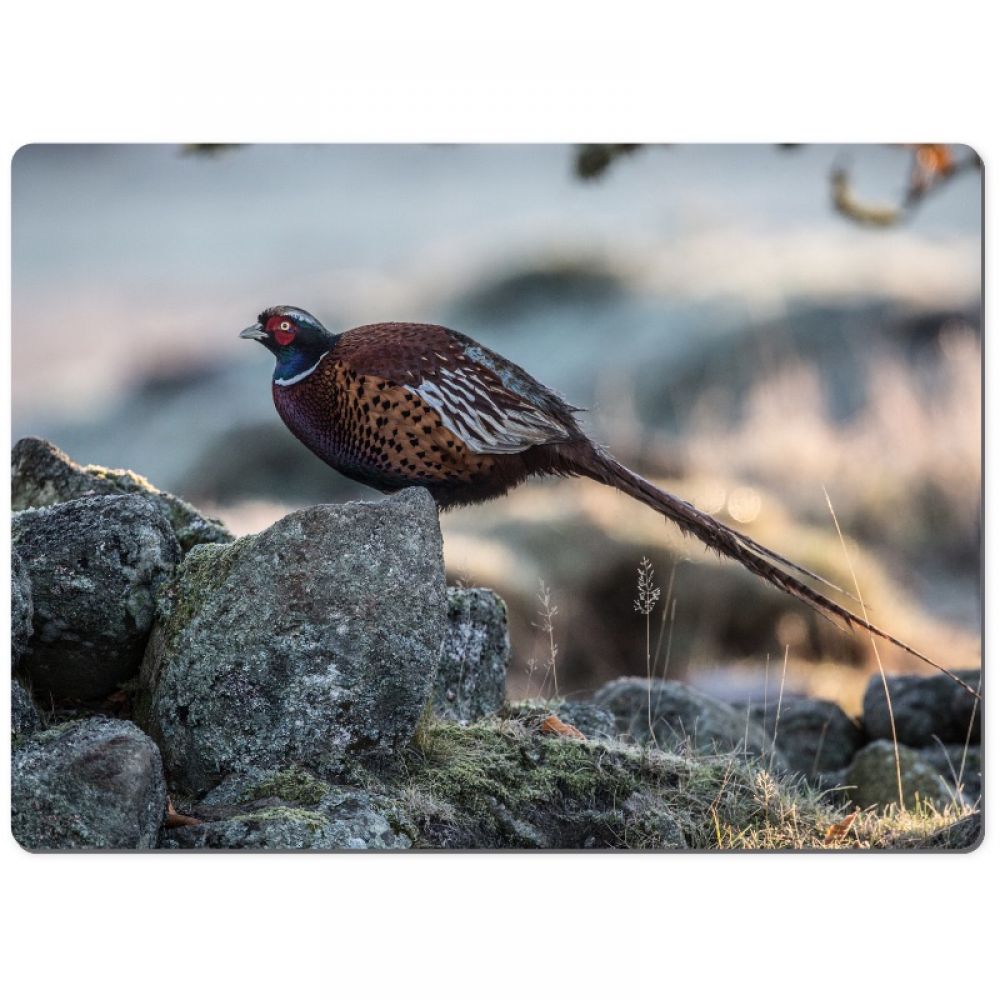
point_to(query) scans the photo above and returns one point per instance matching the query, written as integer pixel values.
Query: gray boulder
(872, 778)
(472, 677)
(286, 810)
(314, 642)
(95, 566)
(21, 608)
(682, 714)
(926, 709)
(94, 783)
(815, 736)
(42, 475)
(647, 823)
(24, 718)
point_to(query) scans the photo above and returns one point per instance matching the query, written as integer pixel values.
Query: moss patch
(123, 480)
(203, 571)
(294, 784)
(314, 821)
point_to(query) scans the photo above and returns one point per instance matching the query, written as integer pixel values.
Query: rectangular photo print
(497, 497)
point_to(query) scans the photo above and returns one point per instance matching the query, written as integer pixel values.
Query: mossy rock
(286, 810)
(42, 475)
(315, 641)
(504, 783)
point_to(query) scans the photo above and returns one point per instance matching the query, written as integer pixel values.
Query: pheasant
(393, 405)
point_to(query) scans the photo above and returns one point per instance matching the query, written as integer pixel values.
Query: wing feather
(489, 419)
(490, 403)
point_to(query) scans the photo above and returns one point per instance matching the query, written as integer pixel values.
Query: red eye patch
(283, 330)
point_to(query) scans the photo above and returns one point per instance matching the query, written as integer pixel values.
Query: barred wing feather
(487, 417)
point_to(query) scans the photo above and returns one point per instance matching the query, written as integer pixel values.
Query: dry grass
(545, 624)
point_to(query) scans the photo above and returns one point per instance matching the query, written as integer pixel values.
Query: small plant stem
(878, 658)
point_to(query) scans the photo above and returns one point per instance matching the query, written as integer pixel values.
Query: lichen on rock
(92, 783)
(21, 607)
(292, 784)
(314, 642)
(95, 565)
(289, 809)
(24, 719)
(472, 673)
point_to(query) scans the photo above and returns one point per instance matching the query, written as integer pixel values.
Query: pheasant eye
(284, 331)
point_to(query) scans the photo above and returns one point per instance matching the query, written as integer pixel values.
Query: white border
(573, 926)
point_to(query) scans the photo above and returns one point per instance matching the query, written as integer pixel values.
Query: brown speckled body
(357, 412)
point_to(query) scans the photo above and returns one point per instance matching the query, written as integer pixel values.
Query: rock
(286, 810)
(814, 735)
(292, 785)
(42, 475)
(960, 767)
(966, 713)
(314, 642)
(21, 608)
(926, 709)
(95, 783)
(681, 714)
(24, 718)
(354, 826)
(872, 777)
(95, 566)
(472, 676)
(647, 823)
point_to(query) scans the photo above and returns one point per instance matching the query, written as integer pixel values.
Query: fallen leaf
(175, 819)
(838, 831)
(554, 725)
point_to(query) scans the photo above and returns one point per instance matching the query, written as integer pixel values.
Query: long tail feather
(729, 542)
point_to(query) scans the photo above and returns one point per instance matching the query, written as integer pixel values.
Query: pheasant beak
(255, 332)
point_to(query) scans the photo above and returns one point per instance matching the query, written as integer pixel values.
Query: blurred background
(750, 326)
